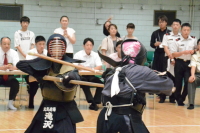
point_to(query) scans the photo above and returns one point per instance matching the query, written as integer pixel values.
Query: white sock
(10, 105)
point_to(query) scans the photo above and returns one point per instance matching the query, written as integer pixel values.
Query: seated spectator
(130, 29)
(33, 86)
(93, 61)
(108, 43)
(194, 79)
(9, 59)
(105, 28)
(117, 55)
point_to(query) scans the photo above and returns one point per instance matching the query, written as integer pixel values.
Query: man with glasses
(160, 61)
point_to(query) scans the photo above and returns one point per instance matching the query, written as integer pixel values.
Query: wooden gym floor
(165, 118)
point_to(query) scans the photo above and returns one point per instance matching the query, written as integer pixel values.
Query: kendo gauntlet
(72, 75)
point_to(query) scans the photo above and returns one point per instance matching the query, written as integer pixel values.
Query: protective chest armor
(55, 91)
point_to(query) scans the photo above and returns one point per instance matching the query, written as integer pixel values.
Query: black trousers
(163, 96)
(160, 62)
(32, 90)
(182, 72)
(118, 123)
(172, 97)
(87, 92)
(13, 84)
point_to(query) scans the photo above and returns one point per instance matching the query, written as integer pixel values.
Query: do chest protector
(56, 91)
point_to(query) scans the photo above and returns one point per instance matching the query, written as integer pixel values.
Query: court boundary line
(95, 127)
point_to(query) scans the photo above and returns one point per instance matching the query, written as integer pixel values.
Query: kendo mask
(56, 46)
(132, 52)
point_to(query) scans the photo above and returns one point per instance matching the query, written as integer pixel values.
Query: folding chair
(23, 93)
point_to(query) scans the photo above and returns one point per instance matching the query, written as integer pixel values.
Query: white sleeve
(56, 31)
(195, 42)
(164, 42)
(16, 39)
(193, 61)
(15, 58)
(33, 38)
(104, 44)
(73, 31)
(98, 61)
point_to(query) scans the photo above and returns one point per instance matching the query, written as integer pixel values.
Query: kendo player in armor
(123, 96)
(58, 112)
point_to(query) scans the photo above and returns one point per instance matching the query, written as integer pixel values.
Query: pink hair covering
(131, 49)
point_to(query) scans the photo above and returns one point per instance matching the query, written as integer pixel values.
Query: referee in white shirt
(94, 62)
(168, 40)
(8, 61)
(33, 86)
(182, 51)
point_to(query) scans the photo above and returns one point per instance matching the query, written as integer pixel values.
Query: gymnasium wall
(45, 15)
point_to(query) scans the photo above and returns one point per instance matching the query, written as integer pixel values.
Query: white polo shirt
(182, 44)
(24, 39)
(70, 32)
(12, 57)
(92, 60)
(34, 50)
